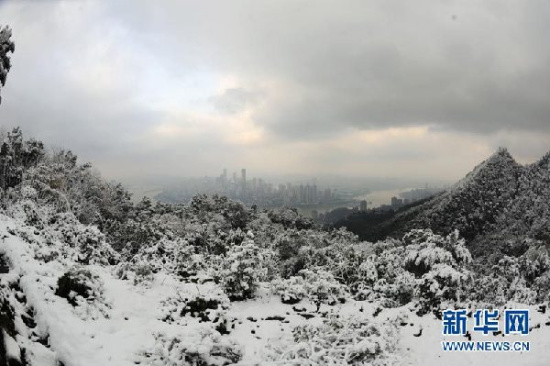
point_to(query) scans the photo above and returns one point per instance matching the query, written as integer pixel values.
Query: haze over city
(422, 90)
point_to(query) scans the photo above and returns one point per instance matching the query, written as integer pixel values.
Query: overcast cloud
(374, 88)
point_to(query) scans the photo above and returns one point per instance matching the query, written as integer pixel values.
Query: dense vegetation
(376, 224)
(239, 248)
(500, 207)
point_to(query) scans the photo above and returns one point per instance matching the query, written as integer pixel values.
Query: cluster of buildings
(321, 204)
(258, 191)
(398, 202)
(407, 197)
(411, 196)
(414, 195)
(255, 191)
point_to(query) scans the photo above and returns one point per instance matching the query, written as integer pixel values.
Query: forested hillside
(70, 238)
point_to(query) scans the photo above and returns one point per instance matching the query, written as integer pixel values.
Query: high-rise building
(327, 196)
(363, 205)
(396, 202)
(243, 180)
(224, 177)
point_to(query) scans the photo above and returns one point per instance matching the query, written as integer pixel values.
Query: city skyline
(252, 190)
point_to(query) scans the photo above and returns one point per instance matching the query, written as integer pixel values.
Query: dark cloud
(162, 81)
(458, 65)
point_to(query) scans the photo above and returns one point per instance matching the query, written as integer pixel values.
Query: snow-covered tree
(241, 271)
(322, 288)
(6, 47)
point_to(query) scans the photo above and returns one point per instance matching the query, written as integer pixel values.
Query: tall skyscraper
(224, 177)
(243, 179)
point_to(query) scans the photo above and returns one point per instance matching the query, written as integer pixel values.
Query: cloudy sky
(424, 89)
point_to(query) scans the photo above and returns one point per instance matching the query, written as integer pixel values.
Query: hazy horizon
(423, 91)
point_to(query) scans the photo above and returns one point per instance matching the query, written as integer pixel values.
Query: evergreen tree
(6, 46)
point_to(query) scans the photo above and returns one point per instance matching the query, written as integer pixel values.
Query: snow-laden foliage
(212, 252)
(316, 285)
(501, 207)
(425, 250)
(10, 295)
(400, 291)
(520, 279)
(6, 47)
(84, 290)
(291, 290)
(439, 264)
(423, 266)
(210, 306)
(81, 243)
(140, 273)
(322, 288)
(339, 341)
(241, 271)
(201, 346)
(290, 218)
(475, 203)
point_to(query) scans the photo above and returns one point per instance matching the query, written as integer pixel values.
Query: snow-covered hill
(126, 323)
(499, 206)
(90, 278)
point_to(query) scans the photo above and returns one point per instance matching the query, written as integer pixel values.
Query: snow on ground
(134, 313)
(116, 340)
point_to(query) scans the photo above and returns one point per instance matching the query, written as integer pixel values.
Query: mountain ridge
(499, 199)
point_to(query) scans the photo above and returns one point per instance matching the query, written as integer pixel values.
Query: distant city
(320, 202)
(255, 191)
(404, 198)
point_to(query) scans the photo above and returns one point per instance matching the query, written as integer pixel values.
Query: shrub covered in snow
(242, 268)
(84, 291)
(522, 279)
(291, 290)
(423, 266)
(353, 266)
(442, 283)
(140, 273)
(399, 292)
(200, 346)
(322, 288)
(210, 306)
(426, 249)
(290, 218)
(10, 320)
(339, 341)
(187, 263)
(59, 235)
(440, 266)
(541, 285)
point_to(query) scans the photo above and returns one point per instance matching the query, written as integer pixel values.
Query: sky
(419, 89)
